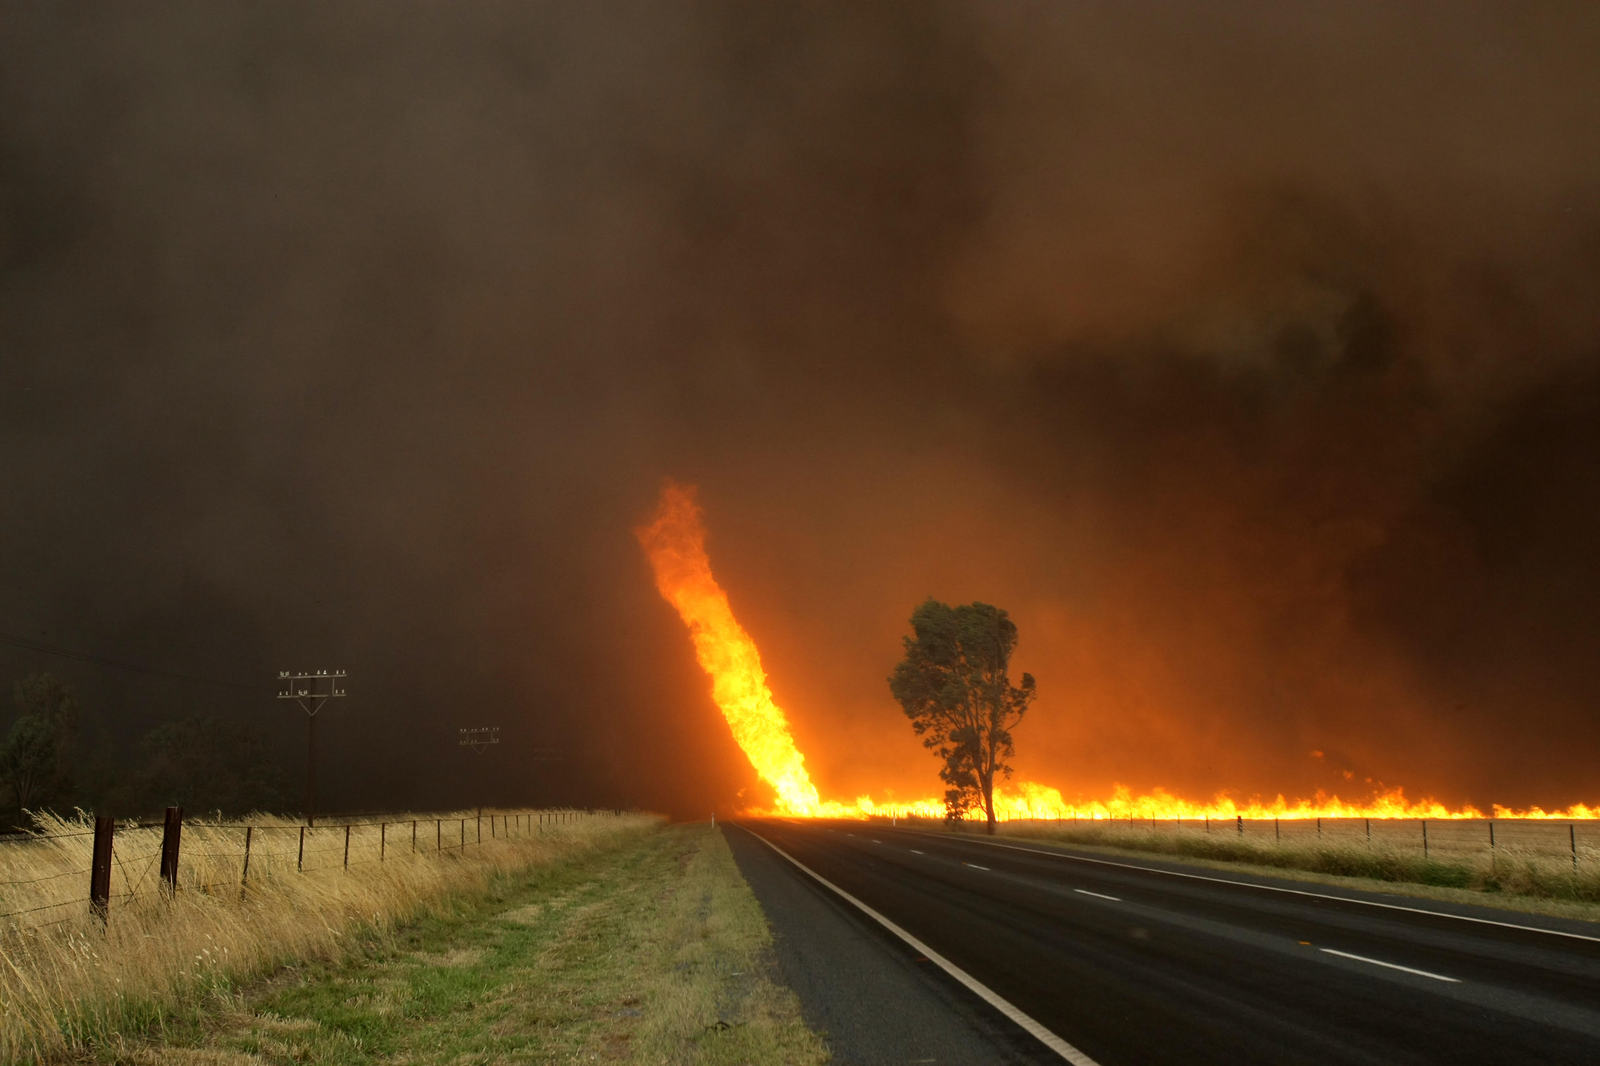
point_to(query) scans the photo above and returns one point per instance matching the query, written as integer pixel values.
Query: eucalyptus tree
(954, 686)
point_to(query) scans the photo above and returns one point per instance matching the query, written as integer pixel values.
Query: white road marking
(975, 866)
(1098, 895)
(1392, 966)
(914, 851)
(1288, 891)
(982, 991)
(877, 841)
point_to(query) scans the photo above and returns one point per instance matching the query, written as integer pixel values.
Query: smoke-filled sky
(1248, 354)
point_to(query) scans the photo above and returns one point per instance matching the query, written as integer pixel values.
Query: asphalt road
(1130, 961)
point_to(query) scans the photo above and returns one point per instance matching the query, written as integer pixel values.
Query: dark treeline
(58, 755)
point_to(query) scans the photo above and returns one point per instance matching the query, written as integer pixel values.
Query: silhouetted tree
(34, 760)
(954, 687)
(205, 763)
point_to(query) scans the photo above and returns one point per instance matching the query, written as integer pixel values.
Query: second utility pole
(307, 690)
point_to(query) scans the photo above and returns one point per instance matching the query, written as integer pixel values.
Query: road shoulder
(866, 993)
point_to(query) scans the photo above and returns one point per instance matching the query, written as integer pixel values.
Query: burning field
(674, 539)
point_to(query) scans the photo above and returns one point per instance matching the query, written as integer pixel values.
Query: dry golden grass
(71, 983)
(654, 951)
(1438, 838)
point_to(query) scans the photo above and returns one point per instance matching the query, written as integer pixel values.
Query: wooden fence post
(244, 875)
(347, 845)
(1424, 838)
(100, 868)
(300, 858)
(1572, 839)
(171, 837)
(383, 839)
(438, 835)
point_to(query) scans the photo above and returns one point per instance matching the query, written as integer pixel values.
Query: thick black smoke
(1249, 357)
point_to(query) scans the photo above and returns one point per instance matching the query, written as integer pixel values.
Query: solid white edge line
(1392, 966)
(1100, 895)
(972, 984)
(1288, 891)
(975, 866)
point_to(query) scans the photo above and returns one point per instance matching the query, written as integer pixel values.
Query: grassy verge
(77, 983)
(1533, 883)
(653, 951)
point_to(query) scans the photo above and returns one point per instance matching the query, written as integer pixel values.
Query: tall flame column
(675, 542)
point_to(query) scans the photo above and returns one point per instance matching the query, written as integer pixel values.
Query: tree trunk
(986, 781)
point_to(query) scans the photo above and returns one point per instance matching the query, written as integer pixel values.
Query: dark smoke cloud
(1249, 357)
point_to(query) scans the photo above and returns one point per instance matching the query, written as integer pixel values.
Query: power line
(17, 641)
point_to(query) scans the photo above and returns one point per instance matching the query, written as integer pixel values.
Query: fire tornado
(675, 543)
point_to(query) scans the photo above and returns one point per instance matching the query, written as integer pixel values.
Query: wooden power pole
(311, 690)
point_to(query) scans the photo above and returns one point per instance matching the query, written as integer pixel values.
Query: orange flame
(1031, 800)
(675, 542)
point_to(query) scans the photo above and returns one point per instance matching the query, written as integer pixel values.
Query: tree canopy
(954, 686)
(203, 763)
(34, 754)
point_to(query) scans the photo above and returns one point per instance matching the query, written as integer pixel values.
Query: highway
(1140, 961)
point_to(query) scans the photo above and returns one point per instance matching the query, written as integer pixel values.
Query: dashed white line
(975, 866)
(1288, 891)
(982, 991)
(1098, 895)
(914, 851)
(876, 841)
(1392, 966)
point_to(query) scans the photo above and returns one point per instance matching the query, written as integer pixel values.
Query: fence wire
(337, 846)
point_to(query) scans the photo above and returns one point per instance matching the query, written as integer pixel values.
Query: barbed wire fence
(139, 860)
(1576, 840)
